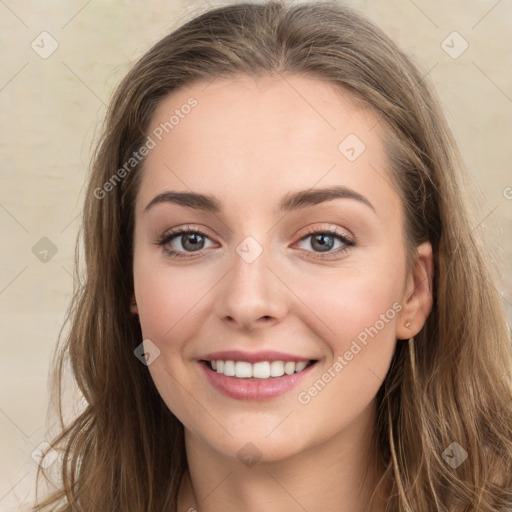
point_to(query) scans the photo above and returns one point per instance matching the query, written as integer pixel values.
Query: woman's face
(300, 257)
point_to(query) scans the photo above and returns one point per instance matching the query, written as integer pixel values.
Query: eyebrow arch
(313, 196)
(291, 201)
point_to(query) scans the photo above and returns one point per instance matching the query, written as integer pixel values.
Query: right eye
(180, 241)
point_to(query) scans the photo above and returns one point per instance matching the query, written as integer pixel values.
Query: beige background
(51, 111)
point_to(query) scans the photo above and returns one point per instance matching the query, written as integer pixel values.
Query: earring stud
(408, 324)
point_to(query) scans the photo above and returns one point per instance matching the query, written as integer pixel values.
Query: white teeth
(243, 369)
(289, 368)
(300, 366)
(276, 368)
(260, 370)
(229, 368)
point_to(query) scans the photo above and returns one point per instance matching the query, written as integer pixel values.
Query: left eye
(325, 241)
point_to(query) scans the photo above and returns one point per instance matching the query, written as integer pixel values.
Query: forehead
(264, 136)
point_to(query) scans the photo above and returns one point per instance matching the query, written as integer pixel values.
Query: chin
(259, 443)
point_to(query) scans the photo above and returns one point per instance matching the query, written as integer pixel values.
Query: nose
(252, 296)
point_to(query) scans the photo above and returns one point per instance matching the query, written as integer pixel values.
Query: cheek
(168, 297)
(347, 301)
(362, 342)
(169, 303)
(357, 312)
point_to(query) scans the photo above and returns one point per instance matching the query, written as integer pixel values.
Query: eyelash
(174, 233)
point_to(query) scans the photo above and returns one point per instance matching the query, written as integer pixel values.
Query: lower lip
(253, 389)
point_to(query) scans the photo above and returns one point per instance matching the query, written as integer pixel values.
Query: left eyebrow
(311, 197)
(291, 201)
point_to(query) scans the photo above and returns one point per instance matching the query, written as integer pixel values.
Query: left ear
(418, 297)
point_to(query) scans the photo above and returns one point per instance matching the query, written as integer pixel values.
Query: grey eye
(322, 242)
(192, 241)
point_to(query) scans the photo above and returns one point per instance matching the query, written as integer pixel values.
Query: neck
(340, 473)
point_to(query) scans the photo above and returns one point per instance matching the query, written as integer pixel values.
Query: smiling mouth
(259, 370)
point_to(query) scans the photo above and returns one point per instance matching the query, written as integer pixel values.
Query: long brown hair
(451, 383)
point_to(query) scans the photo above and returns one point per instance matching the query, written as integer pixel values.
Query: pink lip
(253, 357)
(253, 389)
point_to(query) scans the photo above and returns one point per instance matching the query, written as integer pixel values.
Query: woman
(285, 305)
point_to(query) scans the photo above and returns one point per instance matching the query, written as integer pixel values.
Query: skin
(249, 142)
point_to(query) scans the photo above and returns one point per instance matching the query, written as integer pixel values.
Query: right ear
(133, 305)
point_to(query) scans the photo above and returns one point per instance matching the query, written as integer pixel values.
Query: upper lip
(253, 357)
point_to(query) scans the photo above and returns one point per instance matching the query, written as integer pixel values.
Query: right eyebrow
(194, 200)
